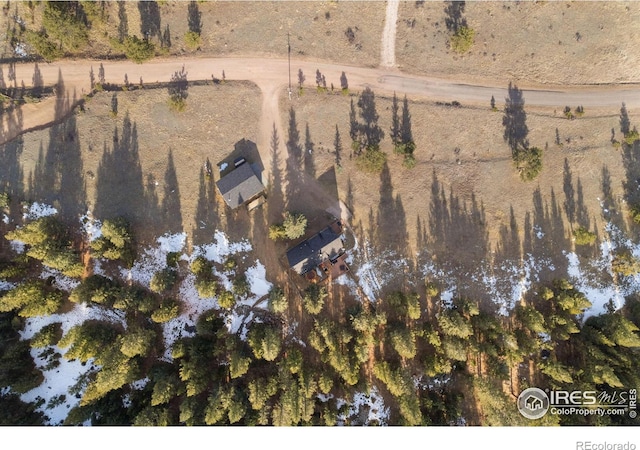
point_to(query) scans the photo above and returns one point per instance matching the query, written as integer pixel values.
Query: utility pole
(289, 57)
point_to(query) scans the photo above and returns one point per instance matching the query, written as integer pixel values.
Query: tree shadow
(329, 182)
(123, 23)
(152, 214)
(454, 16)
(337, 148)
(275, 204)
(58, 178)
(37, 81)
(194, 18)
(206, 210)
(149, 19)
(630, 160)
(12, 176)
(172, 213)
(119, 184)
(611, 209)
(458, 237)
(295, 162)
(369, 131)
(309, 165)
(548, 237)
(515, 120)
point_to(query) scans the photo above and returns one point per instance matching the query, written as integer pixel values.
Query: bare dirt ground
(533, 41)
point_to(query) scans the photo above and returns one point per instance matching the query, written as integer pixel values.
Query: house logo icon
(533, 403)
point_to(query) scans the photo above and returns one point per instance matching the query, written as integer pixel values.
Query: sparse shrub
(462, 40)
(432, 289)
(163, 280)
(625, 264)
(528, 162)
(48, 335)
(567, 113)
(293, 227)
(226, 299)
(116, 241)
(168, 310)
(229, 264)
(579, 111)
(372, 160)
(4, 200)
(313, 299)
(631, 137)
(192, 40)
(207, 288)
(138, 50)
(277, 300)
(584, 236)
(201, 266)
(241, 286)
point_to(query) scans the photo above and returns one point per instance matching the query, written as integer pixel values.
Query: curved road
(271, 75)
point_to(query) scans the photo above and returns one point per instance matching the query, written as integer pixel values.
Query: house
(317, 256)
(241, 186)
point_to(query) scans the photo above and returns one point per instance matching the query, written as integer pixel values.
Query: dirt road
(388, 47)
(272, 75)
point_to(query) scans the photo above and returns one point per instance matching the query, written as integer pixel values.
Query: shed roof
(326, 244)
(239, 186)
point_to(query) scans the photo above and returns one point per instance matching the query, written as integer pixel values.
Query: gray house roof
(239, 186)
(326, 245)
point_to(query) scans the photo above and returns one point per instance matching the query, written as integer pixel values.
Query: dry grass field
(464, 148)
(538, 42)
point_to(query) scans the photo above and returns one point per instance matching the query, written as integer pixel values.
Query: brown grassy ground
(206, 129)
(242, 28)
(537, 42)
(482, 166)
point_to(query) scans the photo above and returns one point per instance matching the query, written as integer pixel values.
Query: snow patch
(5, 219)
(172, 243)
(91, 226)
(257, 278)
(378, 413)
(222, 248)
(58, 380)
(17, 246)
(62, 282)
(38, 210)
(154, 259)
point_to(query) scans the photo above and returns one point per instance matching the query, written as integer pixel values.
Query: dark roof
(239, 186)
(307, 255)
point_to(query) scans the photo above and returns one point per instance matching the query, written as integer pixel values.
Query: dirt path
(388, 47)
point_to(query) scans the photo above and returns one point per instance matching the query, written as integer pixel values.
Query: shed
(240, 186)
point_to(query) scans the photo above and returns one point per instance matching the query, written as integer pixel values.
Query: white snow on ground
(378, 413)
(511, 285)
(5, 219)
(62, 282)
(154, 259)
(140, 384)
(192, 306)
(222, 248)
(6, 286)
(256, 276)
(91, 226)
(37, 210)
(56, 384)
(58, 380)
(17, 246)
(172, 243)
